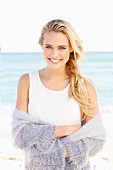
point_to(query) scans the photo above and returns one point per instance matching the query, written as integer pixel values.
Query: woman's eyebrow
(58, 45)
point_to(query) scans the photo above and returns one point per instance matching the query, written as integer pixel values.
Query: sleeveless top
(52, 106)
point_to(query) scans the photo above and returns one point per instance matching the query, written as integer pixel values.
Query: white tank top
(54, 107)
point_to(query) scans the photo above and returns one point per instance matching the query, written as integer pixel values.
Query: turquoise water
(98, 67)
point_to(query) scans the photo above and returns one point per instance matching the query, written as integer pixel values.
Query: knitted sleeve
(86, 142)
(35, 137)
(27, 132)
(80, 151)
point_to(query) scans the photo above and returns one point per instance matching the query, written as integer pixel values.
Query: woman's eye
(48, 47)
(62, 48)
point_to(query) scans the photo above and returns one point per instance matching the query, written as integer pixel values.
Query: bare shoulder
(24, 80)
(23, 92)
(90, 87)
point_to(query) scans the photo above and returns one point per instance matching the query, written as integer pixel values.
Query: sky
(22, 21)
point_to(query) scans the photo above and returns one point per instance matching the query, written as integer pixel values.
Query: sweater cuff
(46, 138)
(77, 152)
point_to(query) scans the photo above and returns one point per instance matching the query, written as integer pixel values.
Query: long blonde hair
(78, 87)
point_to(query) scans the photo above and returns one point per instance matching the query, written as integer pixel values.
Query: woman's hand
(65, 130)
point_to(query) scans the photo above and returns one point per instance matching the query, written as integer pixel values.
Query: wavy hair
(78, 86)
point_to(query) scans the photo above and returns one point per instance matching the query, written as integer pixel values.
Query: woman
(55, 106)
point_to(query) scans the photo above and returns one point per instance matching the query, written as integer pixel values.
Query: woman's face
(56, 49)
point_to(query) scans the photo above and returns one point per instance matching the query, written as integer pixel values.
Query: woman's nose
(55, 52)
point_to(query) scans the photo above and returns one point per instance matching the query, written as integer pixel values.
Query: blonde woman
(56, 112)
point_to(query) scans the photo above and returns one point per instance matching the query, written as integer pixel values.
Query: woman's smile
(54, 61)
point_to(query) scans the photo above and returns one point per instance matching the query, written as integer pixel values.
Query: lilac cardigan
(43, 152)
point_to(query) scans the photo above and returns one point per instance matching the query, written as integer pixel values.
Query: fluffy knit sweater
(43, 152)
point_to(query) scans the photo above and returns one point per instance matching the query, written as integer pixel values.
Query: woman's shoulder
(24, 79)
(88, 82)
(22, 92)
(90, 87)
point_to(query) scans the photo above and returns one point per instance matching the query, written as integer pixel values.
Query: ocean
(98, 67)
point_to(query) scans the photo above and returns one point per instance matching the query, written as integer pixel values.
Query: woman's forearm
(65, 130)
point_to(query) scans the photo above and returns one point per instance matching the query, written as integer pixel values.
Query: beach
(12, 157)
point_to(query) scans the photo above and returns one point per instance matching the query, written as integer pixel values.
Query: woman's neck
(55, 74)
(54, 80)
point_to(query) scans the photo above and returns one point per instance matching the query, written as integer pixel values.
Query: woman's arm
(23, 93)
(62, 131)
(36, 132)
(65, 130)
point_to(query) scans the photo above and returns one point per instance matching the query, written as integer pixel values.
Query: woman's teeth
(54, 61)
